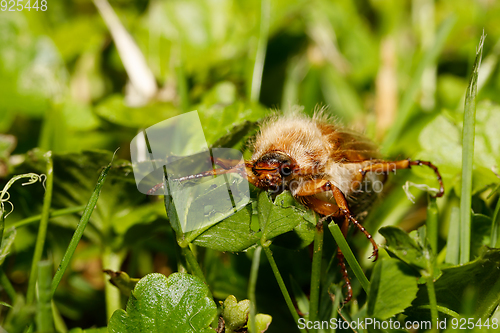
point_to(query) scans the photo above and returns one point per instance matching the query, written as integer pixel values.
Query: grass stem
(432, 303)
(282, 286)
(195, 267)
(80, 228)
(349, 256)
(316, 273)
(44, 321)
(254, 273)
(432, 223)
(42, 230)
(468, 157)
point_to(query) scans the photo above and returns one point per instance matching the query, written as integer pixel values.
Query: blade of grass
(59, 323)
(441, 309)
(316, 272)
(42, 230)
(54, 213)
(2, 223)
(468, 156)
(281, 284)
(7, 286)
(260, 56)
(300, 297)
(89, 208)
(409, 97)
(44, 321)
(495, 226)
(349, 256)
(254, 272)
(432, 223)
(453, 241)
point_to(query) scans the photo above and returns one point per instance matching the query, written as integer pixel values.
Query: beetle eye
(286, 170)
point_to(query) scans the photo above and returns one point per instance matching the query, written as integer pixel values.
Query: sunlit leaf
(178, 303)
(393, 287)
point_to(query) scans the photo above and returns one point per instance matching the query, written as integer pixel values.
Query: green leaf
(279, 217)
(262, 322)
(232, 234)
(5, 304)
(480, 233)
(480, 277)
(175, 304)
(235, 313)
(219, 121)
(8, 240)
(404, 247)
(283, 218)
(393, 287)
(115, 110)
(235, 135)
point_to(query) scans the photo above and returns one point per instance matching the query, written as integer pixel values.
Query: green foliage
(178, 303)
(400, 73)
(393, 287)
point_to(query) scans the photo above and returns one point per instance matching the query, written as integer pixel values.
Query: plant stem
(44, 321)
(432, 302)
(316, 272)
(251, 287)
(2, 224)
(111, 261)
(432, 223)
(42, 230)
(349, 256)
(89, 208)
(53, 213)
(281, 284)
(468, 157)
(453, 239)
(195, 267)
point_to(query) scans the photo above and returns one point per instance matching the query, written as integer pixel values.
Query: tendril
(5, 195)
(423, 187)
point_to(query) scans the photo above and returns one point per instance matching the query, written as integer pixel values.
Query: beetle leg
(243, 169)
(403, 164)
(345, 275)
(344, 208)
